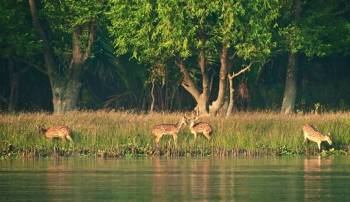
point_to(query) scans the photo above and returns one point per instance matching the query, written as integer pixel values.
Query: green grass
(123, 134)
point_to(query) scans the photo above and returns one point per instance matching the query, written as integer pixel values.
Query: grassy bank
(120, 134)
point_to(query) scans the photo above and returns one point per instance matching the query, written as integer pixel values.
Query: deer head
(41, 129)
(328, 138)
(191, 120)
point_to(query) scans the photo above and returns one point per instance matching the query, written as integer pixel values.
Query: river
(182, 179)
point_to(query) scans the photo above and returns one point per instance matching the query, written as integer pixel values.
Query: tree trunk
(290, 91)
(65, 95)
(203, 98)
(190, 87)
(290, 86)
(65, 88)
(216, 105)
(14, 86)
(231, 78)
(202, 105)
(231, 99)
(152, 97)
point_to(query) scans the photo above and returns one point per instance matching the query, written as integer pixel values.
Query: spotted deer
(310, 133)
(168, 129)
(243, 96)
(62, 132)
(200, 127)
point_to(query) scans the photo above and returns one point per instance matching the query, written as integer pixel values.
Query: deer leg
(319, 146)
(68, 137)
(175, 138)
(157, 139)
(207, 136)
(194, 135)
(305, 140)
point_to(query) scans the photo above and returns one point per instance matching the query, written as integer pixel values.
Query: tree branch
(77, 56)
(31, 65)
(232, 57)
(92, 35)
(217, 104)
(36, 23)
(48, 52)
(187, 82)
(202, 65)
(233, 75)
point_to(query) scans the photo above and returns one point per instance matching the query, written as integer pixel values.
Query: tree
(195, 33)
(18, 47)
(313, 28)
(231, 78)
(68, 32)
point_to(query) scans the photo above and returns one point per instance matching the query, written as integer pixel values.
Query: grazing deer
(62, 132)
(168, 129)
(200, 127)
(313, 135)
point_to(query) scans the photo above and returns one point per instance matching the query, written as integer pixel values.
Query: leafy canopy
(161, 30)
(318, 31)
(17, 37)
(63, 16)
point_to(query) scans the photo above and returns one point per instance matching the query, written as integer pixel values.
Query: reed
(123, 134)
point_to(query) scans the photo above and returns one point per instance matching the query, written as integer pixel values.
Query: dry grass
(128, 134)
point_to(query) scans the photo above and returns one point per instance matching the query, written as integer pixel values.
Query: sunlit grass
(118, 134)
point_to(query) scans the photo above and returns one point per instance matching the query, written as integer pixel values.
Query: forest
(174, 100)
(217, 57)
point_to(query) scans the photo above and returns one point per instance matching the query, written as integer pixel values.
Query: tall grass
(117, 134)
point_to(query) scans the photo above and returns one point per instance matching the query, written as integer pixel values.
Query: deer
(168, 129)
(62, 132)
(199, 128)
(310, 133)
(243, 95)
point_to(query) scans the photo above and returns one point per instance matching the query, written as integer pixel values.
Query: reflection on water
(315, 170)
(183, 179)
(56, 179)
(264, 179)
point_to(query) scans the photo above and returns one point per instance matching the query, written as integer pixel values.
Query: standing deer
(168, 129)
(200, 127)
(313, 135)
(62, 132)
(243, 95)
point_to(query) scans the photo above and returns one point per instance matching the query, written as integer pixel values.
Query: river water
(184, 179)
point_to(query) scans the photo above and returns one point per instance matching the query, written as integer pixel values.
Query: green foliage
(319, 29)
(62, 17)
(162, 30)
(158, 31)
(17, 37)
(65, 15)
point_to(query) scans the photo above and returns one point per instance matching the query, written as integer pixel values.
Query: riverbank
(124, 134)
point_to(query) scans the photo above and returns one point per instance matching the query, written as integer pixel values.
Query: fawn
(200, 127)
(168, 129)
(313, 135)
(62, 132)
